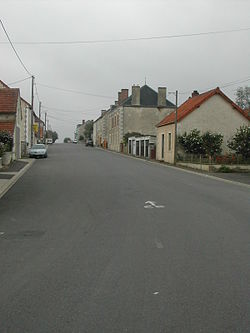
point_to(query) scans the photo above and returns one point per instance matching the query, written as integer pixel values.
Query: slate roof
(148, 97)
(7, 126)
(8, 100)
(194, 102)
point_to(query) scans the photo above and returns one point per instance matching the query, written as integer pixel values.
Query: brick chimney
(83, 122)
(162, 93)
(195, 93)
(136, 95)
(122, 95)
(119, 97)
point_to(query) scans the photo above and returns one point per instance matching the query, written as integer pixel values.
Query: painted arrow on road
(152, 204)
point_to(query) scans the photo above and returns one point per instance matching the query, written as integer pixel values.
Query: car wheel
(45, 156)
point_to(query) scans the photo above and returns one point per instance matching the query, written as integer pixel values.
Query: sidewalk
(9, 175)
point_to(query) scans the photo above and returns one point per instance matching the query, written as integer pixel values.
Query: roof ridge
(194, 102)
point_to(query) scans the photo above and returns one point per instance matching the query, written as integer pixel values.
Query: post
(45, 130)
(39, 126)
(32, 108)
(175, 126)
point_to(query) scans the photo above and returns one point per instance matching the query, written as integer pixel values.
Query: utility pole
(39, 126)
(32, 109)
(45, 127)
(175, 126)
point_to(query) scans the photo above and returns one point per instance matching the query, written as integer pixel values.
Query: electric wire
(1, 22)
(74, 91)
(98, 41)
(10, 84)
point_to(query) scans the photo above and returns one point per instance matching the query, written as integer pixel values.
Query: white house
(211, 111)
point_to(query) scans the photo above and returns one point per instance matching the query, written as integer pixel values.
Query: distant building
(137, 113)
(80, 128)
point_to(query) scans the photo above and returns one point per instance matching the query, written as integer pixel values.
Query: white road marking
(152, 204)
(158, 244)
(156, 293)
(1, 233)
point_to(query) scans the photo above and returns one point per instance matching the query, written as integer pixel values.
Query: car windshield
(38, 147)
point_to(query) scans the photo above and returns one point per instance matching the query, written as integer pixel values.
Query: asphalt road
(79, 252)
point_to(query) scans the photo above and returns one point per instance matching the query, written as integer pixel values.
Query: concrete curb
(178, 168)
(14, 179)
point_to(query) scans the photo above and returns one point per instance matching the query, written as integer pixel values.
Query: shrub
(192, 142)
(224, 169)
(2, 149)
(240, 142)
(7, 140)
(211, 143)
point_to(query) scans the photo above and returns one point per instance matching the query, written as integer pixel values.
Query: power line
(74, 91)
(14, 48)
(224, 85)
(70, 111)
(64, 120)
(130, 39)
(29, 77)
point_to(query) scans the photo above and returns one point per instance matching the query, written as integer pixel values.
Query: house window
(162, 146)
(169, 141)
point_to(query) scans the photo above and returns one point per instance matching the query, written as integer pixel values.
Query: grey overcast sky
(187, 63)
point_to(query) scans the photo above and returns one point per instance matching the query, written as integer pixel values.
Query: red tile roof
(6, 86)
(194, 102)
(8, 100)
(7, 126)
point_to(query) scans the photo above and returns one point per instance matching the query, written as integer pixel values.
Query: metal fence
(219, 159)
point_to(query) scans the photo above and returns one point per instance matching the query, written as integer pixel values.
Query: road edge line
(178, 169)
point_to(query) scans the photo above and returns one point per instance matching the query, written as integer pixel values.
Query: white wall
(215, 115)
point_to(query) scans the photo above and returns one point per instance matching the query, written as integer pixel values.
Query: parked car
(49, 141)
(38, 150)
(89, 143)
(74, 141)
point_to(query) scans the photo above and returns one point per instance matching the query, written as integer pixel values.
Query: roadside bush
(192, 143)
(1, 149)
(240, 142)
(7, 140)
(225, 169)
(211, 143)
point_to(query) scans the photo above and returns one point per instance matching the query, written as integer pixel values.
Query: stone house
(11, 117)
(99, 130)
(38, 138)
(137, 113)
(210, 111)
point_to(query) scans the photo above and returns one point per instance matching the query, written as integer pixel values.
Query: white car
(38, 150)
